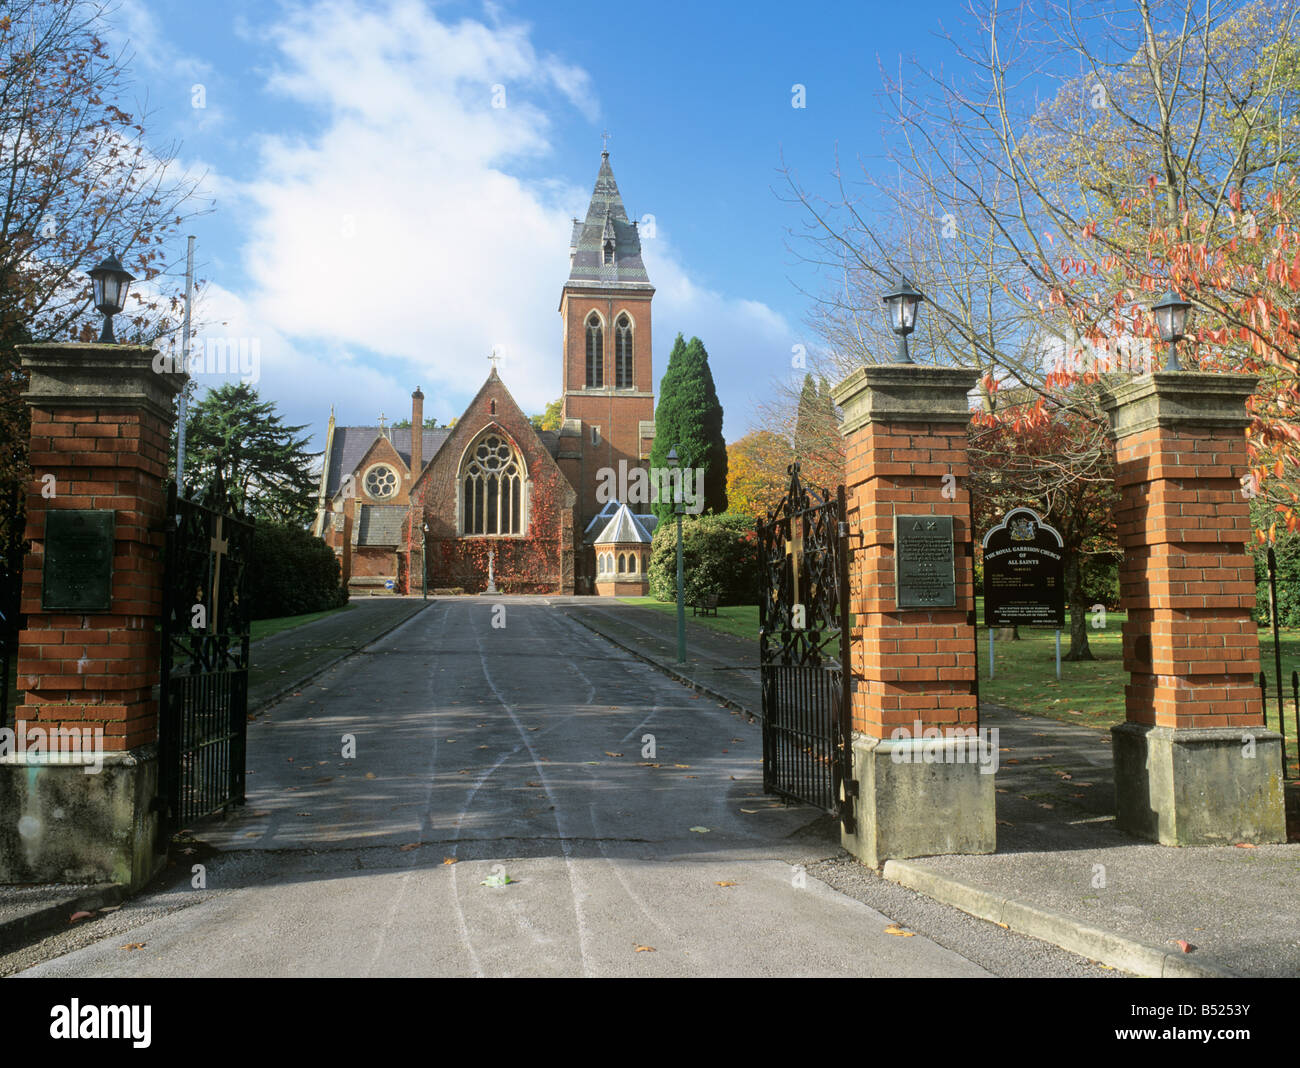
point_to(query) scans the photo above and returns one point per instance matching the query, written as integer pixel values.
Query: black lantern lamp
(110, 282)
(1171, 320)
(902, 303)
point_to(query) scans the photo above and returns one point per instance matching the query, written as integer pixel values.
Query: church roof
(351, 443)
(607, 221)
(623, 528)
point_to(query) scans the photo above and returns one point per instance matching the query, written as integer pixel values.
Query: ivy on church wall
(529, 564)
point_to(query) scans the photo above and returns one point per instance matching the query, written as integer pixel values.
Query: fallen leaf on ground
(681, 765)
(259, 813)
(252, 834)
(133, 945)
(1184, 945)
(1004, 926)
(725, 882)
(449, 860)
(700, 830)
(1006, 823)
(894, 929)
(1244, 845)
(532, 784)
(79, 916)
(646, 764)
(608, 753)
(370, 775)
(408, 847)
(496, 880)
(646, 949)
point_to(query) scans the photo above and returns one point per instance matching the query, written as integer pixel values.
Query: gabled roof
(351, 443)
(607, 220)
(623, 528)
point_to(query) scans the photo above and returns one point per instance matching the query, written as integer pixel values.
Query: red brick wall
(372, 562)
(1186, 579)
(910, 664)
(617, 416)
(97, 670)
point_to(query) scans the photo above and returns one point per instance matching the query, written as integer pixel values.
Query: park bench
(706, 605)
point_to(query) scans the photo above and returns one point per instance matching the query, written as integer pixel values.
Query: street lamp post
(110, 282)
(902, 303)
(1171, 320)
(679, 507)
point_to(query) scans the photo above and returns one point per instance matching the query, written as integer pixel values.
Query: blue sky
(378, 225)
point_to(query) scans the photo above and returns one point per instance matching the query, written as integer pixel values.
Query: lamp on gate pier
(110, 281)
(1171, 320)
(902, 303)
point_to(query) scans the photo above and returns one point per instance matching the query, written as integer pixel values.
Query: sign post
(1024, 576)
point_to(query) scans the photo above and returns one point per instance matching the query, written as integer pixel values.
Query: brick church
(492, 498)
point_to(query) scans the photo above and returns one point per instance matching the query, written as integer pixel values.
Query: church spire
(606, 246)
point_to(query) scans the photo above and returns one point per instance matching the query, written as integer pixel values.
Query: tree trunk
(1079, 649)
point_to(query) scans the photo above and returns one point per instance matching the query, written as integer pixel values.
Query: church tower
(608, 386)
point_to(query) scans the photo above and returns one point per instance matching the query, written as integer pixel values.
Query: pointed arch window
(492, 487)
(595, 353)
(623, 352)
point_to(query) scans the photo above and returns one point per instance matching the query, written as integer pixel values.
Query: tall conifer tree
(689, 415)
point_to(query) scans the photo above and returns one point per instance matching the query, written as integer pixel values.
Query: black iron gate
(12, 549)
(804, 650)
(203, 706)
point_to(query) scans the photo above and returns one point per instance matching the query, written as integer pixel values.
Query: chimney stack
(417, 433)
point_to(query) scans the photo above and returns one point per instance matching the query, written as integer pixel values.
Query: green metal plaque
(924, 575)
(78, 570)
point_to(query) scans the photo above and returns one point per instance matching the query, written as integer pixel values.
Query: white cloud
(394, 245)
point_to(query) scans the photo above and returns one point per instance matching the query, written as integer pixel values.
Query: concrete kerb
(1093, 943)
(666, 669)
(302, 680)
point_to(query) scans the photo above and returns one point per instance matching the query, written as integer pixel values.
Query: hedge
(291, 573)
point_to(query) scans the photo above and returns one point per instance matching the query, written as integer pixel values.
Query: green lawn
(264, 628)
(740, 619)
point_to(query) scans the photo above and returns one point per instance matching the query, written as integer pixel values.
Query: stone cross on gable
(383, 430)
(604, 142)
(493, 358)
